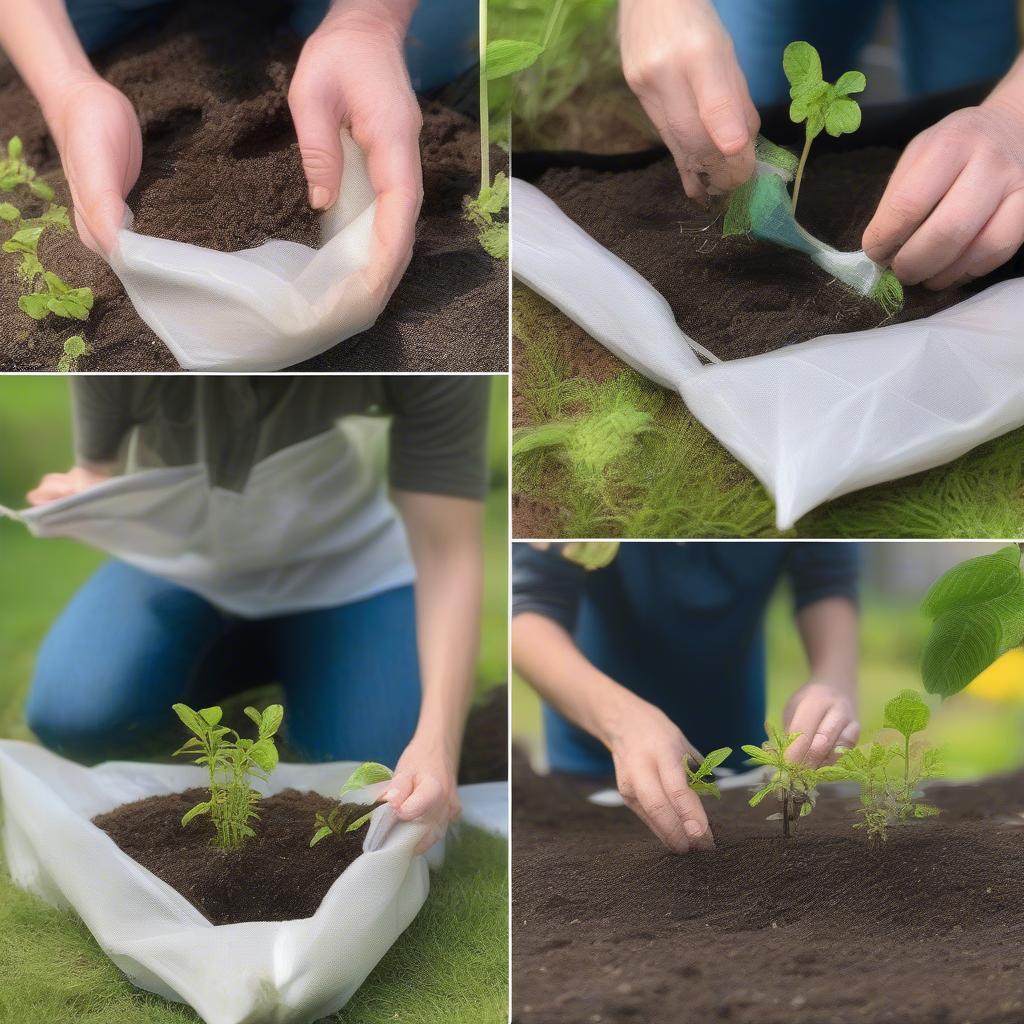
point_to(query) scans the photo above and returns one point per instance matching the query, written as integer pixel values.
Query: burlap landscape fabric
(221, 170)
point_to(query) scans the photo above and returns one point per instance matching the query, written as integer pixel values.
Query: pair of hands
(648, 750)
(351, 72)
(954, 207)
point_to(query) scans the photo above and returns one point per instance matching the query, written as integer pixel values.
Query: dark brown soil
(609, 927)
(221, 169)
(485, 745)
(737, 296)
(275, 878)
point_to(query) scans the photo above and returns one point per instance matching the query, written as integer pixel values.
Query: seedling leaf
(842, 118)
(15, 148)
(211, 716)
(321, 833)
(9, 212)
(850, 82)
(505, 57)
(367, 774)
(271, 721)
(975, 581)
(35, 305)
(907, 713)
(203, 808)
(41, 190)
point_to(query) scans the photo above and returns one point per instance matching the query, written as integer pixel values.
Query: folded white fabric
(258, 309)
(811, 421)
(287, 972)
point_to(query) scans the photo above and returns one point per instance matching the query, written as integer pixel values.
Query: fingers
(52, 487)
(398, 792)
(686, 804)
(425, 796)
(672, 812)
(921, 178)
(317, 125)
(994, 244)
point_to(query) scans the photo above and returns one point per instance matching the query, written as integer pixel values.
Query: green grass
(449, 967)
(674, 479)
(978, 737)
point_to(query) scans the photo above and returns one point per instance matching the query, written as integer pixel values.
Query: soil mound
(610, 927)
(276, 877)
(221, 169)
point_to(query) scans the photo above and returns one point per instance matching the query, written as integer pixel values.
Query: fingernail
(693, 829)
(318, 197)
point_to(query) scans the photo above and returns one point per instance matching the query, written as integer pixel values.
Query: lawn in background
(449, 967)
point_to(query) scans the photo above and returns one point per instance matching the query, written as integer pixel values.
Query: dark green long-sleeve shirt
(438, 431)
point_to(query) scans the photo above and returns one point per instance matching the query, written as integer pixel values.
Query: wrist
(612, 710)
(384, 19)
(1008, 95)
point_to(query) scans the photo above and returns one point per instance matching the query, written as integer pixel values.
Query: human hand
(100, 144)
(352, 73)
(648, 750)
(825, 716)
(55, 486)
(679, 60)
(424, 789)
(954, 207)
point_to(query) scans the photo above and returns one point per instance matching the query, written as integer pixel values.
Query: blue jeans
(440, 46)
(129, 645)
(944, 44)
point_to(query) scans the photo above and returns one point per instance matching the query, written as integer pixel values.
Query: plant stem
(485, 112)
(785, 815)
(800, 168)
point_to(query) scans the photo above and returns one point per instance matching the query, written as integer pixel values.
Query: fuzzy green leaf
(907, 713)
(960, 646)
(359, 822)
(271, 721)
(35, 305)
(704, 788)
(41, 190)
(190, 719)
(713, 760)
(842, 117)
(15, 148)
(211, 716)
(494, 239)
(509, 56)
(321, 833)
(761, 794)
(9, 212)
(850, 82)
(367, 774)
(24, 240)
(975, 581)
(802, 65)
(203, 808)
(74, 303)
(265, 754)
(925, 811)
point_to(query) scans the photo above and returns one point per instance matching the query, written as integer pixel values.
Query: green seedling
(74, 348)
(232, 762)
(58, 298)
(817, 103)
(14, 172)
(701, 778)
(340, 821)
(977, 613)
(794, 785)
(890, 775)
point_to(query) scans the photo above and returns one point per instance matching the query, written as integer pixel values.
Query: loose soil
(276, 877)
(221, 169)
(609, 927)
(485, 746)
(737, 296)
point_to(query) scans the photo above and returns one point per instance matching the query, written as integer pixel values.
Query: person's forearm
(42, 44)
(546, 656)
(446, 539)
(1010, 90)
(829, 629)
(392, 14)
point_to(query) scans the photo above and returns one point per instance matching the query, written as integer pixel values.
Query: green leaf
(925, 811)
(509, 56)
(705, 788)
(203, 808)
(41, 190)
(713, 760)
(9, 212)
(15, 148)
(842, 118)
(815, 123)
(321, 833)
(494, 239)
(975, 581)
(367, 774)
(211, 716)
(961, 645)
(190, 719)
(24, 240)
(761, 794)
(801, 63)
(75, 303)
(907, 713)
(271, 721)
(757, 754)
(265, 754)
(850, 82)
(35, 305)
(254, 715)
(358, 823)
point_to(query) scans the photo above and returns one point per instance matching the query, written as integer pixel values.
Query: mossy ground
(626, 459)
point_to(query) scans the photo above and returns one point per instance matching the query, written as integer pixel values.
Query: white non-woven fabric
(265, 308)
(290, 972)
(811, 421)
(313, 527)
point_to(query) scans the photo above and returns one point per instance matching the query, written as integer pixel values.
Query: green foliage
(14, 172)
(977, 610)
(232, 762)
(509, 56)
(74, 348)
(9, 212)
(701, 778)
(888, 293)
(820, 105)
(491, 202)
(340, 820)
(890, 775)
(794, 785)
(591, 554)
(58, 298)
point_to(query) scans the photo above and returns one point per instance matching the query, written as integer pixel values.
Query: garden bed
(276, 877)
(609, 927)
(221, 169)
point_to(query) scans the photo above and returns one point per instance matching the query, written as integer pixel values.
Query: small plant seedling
(232, 762)
(58, 298)
(339, 821)
(701, 779)
(482, 209)
(74, 348)
(794, 785)
(819, 104)
(890, 794)
(977, 610)
(14, 172)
